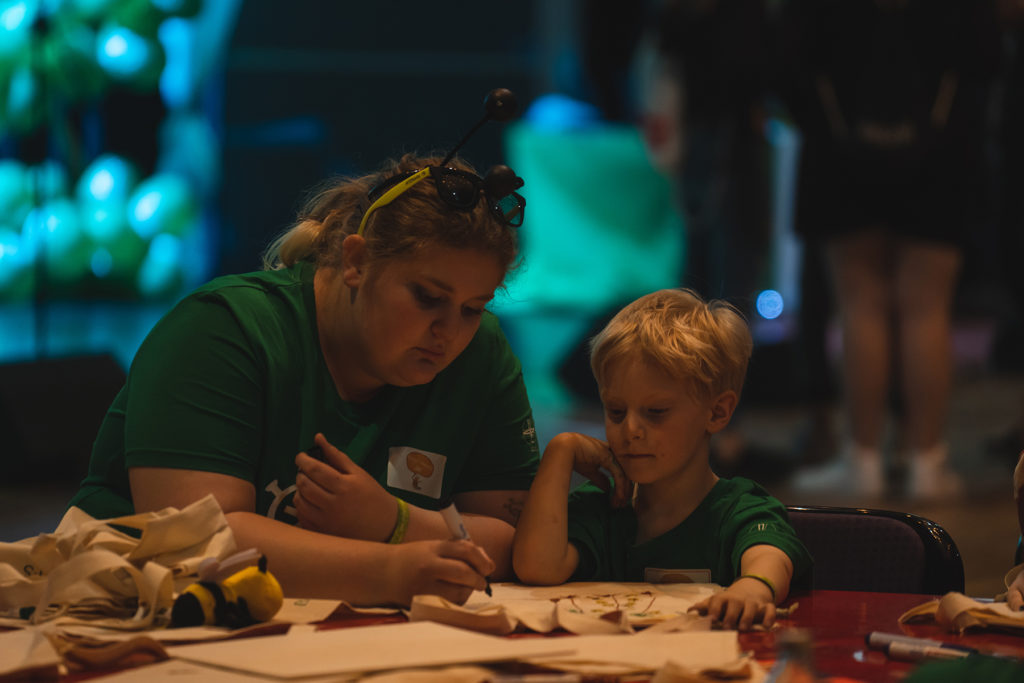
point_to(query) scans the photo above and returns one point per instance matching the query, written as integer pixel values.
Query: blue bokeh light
(122, 52)
(770, 304)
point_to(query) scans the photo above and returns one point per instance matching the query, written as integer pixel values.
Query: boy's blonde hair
(706, 344)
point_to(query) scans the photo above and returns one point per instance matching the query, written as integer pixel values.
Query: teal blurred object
(15, 192)
(103, 191)
(48, 180)
(16, 18)
(22, 107)
(16, 275)
(601, 227)
(162, 272)
(54, 231)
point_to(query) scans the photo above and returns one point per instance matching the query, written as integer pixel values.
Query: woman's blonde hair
(705, 344)
(415, 220)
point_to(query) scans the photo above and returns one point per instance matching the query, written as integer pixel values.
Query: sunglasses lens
(511, 208)
(458, 190)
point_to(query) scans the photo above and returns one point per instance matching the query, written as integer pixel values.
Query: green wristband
(402, 523)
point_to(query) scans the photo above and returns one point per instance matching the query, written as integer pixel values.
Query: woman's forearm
(309, 564)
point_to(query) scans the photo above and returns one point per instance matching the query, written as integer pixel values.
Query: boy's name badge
(419, 471)
(655, 575)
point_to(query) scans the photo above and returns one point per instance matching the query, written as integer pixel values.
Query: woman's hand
(450, 569)
(740, 606)
(339, 497)
(592, 458)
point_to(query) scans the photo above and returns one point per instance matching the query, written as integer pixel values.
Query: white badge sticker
(656, 575)
(419, 471)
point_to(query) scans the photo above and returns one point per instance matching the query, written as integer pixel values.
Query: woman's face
(411, 317)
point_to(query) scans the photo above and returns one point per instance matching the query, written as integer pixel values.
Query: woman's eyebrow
(441, 284)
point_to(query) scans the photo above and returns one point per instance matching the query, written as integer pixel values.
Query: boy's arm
(768, 562)
(748, 600)
(541, 552)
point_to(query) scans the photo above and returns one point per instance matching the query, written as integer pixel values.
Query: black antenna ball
(500, 104)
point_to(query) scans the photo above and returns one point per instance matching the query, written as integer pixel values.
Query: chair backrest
(877, 550)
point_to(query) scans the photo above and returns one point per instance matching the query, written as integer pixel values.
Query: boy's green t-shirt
(232, 381)
(705, 548)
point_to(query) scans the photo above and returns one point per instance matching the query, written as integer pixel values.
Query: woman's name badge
(419, 471)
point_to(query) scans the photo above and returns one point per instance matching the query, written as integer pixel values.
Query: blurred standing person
(1010, 240)
(701, 75)
(703, 117)
(890, 98)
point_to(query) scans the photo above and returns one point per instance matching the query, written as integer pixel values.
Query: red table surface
(838, 620)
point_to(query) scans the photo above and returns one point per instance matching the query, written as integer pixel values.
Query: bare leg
(859, 266)
(863, 284)
(925, 282)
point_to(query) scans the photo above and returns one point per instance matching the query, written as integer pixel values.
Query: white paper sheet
(624, 654)
(364, 649)
(25, 651)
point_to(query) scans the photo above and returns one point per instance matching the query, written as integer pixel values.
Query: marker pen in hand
(457, 529)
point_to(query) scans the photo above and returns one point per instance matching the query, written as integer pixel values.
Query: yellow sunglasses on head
(457, 188)
(462, 189)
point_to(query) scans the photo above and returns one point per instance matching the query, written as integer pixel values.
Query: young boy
(670, 368)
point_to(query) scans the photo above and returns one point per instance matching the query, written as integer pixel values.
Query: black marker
(316, 452)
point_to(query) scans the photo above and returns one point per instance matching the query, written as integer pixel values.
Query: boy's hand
(1015, 593)
(740, 607)
(591, 458)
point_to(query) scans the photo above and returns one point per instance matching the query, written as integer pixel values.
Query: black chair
(884, 551)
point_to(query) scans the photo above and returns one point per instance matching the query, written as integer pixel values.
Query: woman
(367, 337)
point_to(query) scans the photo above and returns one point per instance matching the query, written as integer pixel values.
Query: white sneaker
(859, 475)
(930, 478)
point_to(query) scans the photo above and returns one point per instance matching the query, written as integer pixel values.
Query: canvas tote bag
(90, 571)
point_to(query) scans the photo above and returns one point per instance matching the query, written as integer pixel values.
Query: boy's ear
(722, 407)
(353, 260)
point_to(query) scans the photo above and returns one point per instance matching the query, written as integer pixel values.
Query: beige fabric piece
(744, 669)
(585, 608)
(88, 571)
(957, 613)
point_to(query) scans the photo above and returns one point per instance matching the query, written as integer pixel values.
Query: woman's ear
(722, 407)
(353, 260)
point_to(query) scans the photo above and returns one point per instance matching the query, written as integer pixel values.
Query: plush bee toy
(245, 597)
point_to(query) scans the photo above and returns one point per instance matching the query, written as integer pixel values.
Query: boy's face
(656, 428)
